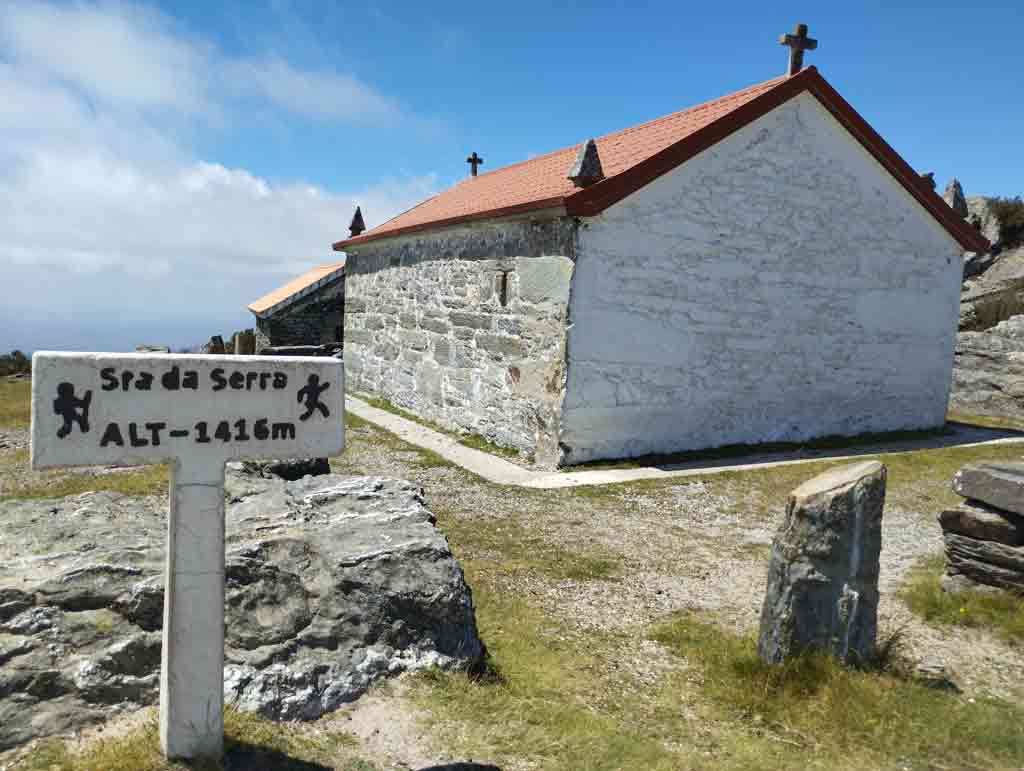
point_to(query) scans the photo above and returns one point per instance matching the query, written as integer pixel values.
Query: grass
(985, 421)
(542, 700)
(15, 403)
(250, 742)
(473, 441)
(144, 480)
(814, 713)
(1001, 612)
(506, 545)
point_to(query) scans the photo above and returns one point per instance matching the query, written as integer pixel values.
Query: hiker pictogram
(311, 391)
(67, 405)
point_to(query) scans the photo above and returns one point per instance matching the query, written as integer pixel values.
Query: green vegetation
(506, 545)
(543, 699)
(473, 441)
(1009, 212)
(1001, 612)
(813, 712)
(15, 363)
(250, 742)
(144, 480)
(15, 403)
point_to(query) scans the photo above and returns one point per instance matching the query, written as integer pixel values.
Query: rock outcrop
(995, 295)
(954, 196)
(332, 583)
(822, 590)
(988, 371)
(984, 536)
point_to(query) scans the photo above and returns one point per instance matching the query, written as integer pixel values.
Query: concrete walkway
(503, 472)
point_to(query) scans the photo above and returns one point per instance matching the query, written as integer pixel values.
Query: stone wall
(779, 286)
(316, 319)
(466, 327)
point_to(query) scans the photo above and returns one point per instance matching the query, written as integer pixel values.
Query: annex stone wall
(780, 286)
(466, 327)
(313, 320)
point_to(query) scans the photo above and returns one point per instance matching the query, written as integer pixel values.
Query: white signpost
(92, 409)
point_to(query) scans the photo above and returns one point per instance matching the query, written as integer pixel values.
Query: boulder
(214, 346)
(332, 582)
(822, 590)
(287, 468)
(976, 520)
(998, 484)
(988, 371)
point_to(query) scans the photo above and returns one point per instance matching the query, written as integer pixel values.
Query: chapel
(759, 268)
(306, 311)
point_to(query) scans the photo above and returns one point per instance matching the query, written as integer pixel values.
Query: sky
(164, 164)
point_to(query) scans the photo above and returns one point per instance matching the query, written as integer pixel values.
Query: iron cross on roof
(798, 43)
(474, 160)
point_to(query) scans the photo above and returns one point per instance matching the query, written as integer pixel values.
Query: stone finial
(954, 196)
(928, 178)
(356, 226)
(822, 589)
(587, 168)
(798, 42)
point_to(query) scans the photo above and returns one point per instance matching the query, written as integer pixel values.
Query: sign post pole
(200, 412)
(192, 666)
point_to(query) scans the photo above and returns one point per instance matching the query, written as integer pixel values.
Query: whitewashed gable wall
(777, 287)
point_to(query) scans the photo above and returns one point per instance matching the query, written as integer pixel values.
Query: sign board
(199, 412)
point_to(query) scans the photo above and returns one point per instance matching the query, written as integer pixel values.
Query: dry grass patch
(814, 713)
(999, 612)
(58, 483)
(15, 403)
(250, 742)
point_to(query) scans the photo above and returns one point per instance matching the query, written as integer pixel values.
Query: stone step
(976, 520)
(997, 484)
(986, 562)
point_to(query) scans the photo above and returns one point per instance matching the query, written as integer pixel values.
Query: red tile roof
(633, 157)
(294, 289)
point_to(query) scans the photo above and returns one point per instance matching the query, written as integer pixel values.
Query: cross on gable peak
(474, 160)
(798, 42)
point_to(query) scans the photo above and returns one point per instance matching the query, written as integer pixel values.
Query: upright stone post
(822, 590)
(200, 412)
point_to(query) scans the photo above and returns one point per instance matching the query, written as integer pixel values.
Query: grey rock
(332, 582)
(954, 196)
(976, 520)
(995, 296)
(214, 346)
(988, 371)
(144, 348)
(998, 484)
(979, 213)
(288, 468)
(823, 574)
(984, 562)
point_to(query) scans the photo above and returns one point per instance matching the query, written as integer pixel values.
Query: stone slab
(997, 484)
(822, 592)
(976, 520)
(985, 562)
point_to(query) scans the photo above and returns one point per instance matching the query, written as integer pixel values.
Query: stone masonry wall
(466, 327)
(779, 286)
(314, 320)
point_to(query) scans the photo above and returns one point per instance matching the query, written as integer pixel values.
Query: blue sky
(163, 164)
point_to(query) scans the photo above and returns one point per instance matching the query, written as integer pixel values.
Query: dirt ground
(613, 560)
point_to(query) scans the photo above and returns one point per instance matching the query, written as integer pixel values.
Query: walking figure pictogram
(311, 391)
(67, 405)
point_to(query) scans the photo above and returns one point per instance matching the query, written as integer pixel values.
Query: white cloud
(103, 205)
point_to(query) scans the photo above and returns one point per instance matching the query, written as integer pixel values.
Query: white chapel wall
(780, 286)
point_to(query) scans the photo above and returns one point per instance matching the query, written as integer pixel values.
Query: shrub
(1009, 213)
(15, 363)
